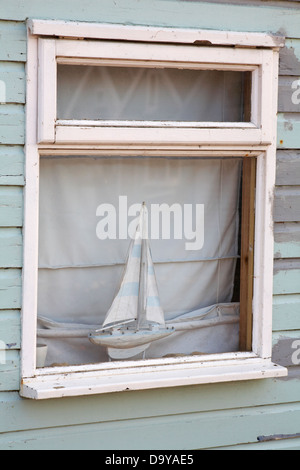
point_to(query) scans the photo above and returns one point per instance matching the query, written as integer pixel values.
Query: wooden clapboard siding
(287, 240)
(290, 57)
(219, 428)
(29, 415)
(286, 303)
(10, 289)
(209, 416)
(289, 94)
(287, 249)
(11, 165)
(12, 41)
(286, 277)
(171, 407)
(287, 207)
(10, 327)
(12, 124)
(10, 372)
(13, 75)
(288, 136)
(286, 312)
(290, 443)
(12, 132)
(11, 249)
(11, 206)
(288, 168)
(174, 13)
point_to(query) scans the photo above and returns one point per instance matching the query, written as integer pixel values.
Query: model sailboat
(136, 317)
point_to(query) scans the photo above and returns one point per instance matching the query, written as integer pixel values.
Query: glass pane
(146, 94)
(89, 211)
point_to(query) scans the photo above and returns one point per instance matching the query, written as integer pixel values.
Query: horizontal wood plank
(284, 443)
(11, 248)
(287, 240)
(12, 124)
(286, 312)
(10, 289)
(286, 281)
(12, 165)
(284, 250)
(11, 206)
(288, 167)
(10, 329)
(10, 372)
(288, 131)
(287, 204)
(13, 82)
(13, 46)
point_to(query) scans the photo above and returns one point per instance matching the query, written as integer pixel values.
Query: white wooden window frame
(50, 43)
(63, 51)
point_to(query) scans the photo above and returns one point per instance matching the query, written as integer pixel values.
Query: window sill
(141, 377)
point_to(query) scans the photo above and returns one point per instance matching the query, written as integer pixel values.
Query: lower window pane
(89, 210)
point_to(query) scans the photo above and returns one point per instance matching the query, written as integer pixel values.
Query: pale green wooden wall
(229, 415)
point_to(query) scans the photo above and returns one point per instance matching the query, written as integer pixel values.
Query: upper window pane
(152, 94)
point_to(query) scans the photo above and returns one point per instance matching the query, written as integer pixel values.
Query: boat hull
(127, 339)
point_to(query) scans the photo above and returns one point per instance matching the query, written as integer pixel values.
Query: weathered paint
(12, 123)
(288, 168)
(288, 136)
(290, 58)
(11, 166)
(208, 416)
(286, 206)
(10, 327)
(289, 94)
(286, 312)
(162, 13)
(12, 41)
(10, 372)
(11, 206)
(13, 75)
(10, 288)
(11, 244)
(287, 240)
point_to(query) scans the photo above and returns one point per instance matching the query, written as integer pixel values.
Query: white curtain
(79, 274)
(133, 93)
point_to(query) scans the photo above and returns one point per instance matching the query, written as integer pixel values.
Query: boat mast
(141, 313)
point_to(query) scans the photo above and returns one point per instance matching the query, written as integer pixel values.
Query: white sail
(125, 304)
(154, 311)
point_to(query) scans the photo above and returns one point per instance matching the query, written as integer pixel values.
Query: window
(185, 121)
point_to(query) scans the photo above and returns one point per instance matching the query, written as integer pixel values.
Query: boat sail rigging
(135, 318)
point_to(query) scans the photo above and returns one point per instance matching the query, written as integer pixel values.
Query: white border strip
(70, 29)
